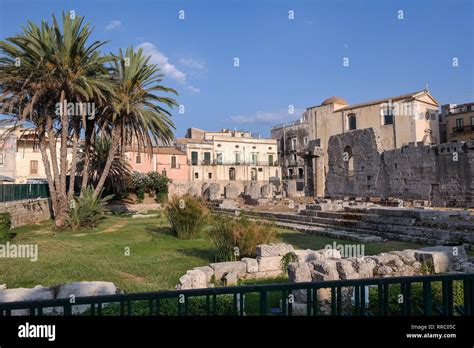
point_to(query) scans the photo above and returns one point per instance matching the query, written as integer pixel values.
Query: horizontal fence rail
(446, 295)
(18, 192)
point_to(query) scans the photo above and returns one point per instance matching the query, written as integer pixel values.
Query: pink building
(168, 161)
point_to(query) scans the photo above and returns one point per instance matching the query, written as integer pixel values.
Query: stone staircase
(370, 224)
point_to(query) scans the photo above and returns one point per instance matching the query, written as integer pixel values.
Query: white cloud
(113, 25)
(163, 63)
(193, 64)
(267, 117)
(192, 89)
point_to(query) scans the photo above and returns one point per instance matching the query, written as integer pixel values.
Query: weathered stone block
(252, 264)
(232, 190)
(346, 269)
(269, 263)
(221, 268)
(231, 278)
(208, 271)
(438, 261)
(324, 270)
(281, 249)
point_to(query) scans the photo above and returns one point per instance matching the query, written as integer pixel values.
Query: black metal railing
(450, 294)
(463, 129)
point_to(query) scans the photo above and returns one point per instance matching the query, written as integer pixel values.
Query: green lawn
(157, 258)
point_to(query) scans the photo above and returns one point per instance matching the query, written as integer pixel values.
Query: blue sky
(283, 62)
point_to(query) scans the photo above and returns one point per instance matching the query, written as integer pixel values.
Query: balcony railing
(235, 163)
(463, 129)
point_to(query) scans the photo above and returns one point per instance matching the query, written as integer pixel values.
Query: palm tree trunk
(89, 129)
(47, 169)
(115, 143)
(72, 172)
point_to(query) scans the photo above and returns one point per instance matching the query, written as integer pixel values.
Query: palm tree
(138, 115)
(120, 171)
(46, 65)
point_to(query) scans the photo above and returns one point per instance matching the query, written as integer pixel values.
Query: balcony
(235, 163)
(463, 129)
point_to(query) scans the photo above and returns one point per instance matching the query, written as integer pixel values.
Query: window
(231, 173)
(300, 173)
(194, 158)
(270, 160)
(253, 174)
(293, 143)
(207, 158)
(254, 158)
(33, 167)
(388, 115)
(35, 146)
(237, 158)
(348, 161)
(196, 175)
(219, 158)
(305, 141)
(459, 125)
(173, 162)
(294, 157)
(209, 175)
(1, 159)
(138, 159)
(163, 173)
(352, 122)
(290, 172)
(472, 122)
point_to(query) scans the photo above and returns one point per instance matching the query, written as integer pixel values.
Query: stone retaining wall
(27, 212)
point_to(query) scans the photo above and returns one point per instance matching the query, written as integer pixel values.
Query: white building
(229, 155)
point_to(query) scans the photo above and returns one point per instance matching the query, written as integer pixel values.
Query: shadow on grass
(163, 230)
(206, 254)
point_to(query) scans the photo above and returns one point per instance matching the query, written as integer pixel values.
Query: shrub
(287, 259)
(395, 308)
(229, 233)
(140, 195)
(187, 216)
(87, 211)
(158, 184)
(5, 227)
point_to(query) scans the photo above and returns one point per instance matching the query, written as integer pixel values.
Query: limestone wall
(27, 212)
(441, 174)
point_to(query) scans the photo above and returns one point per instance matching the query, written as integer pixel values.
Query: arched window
(253, 174)
(352, 121)
(232, 173)
(348, 161)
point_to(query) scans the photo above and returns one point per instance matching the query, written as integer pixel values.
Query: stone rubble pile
(267, 264)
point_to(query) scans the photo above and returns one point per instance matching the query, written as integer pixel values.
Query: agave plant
(87, 210)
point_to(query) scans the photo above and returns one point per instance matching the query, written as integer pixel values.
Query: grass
(157, 258)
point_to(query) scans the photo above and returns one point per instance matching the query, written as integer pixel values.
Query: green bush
(287, 259)
(416, 299)
(187, 216)
(5, 227)
(228, 234)
(170, 307)
(140, 195)
(159, 185)
(87, 211)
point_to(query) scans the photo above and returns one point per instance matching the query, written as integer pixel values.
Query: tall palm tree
(46, 65)
(120, 171)
(138, 114)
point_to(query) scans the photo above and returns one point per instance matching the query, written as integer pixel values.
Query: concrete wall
(27, 212)
(415, 171)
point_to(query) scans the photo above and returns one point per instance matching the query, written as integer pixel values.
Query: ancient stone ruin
(440, 174)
